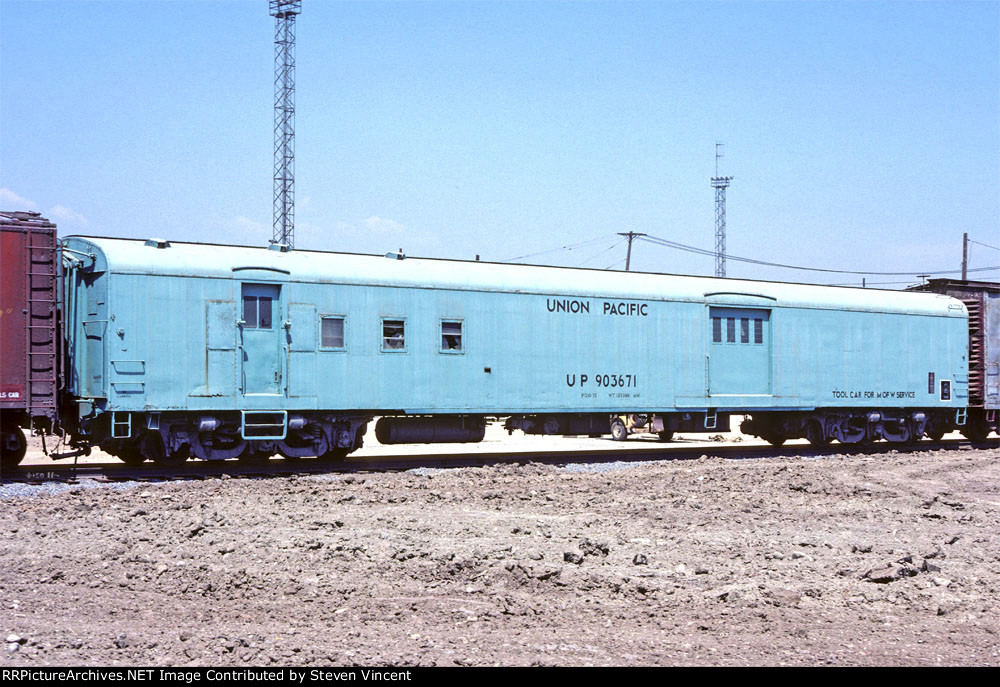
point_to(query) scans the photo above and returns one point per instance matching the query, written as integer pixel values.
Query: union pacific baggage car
(184, 349)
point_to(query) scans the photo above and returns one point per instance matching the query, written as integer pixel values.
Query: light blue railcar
(181, 349)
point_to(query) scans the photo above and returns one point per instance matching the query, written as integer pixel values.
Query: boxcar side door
(739, 351)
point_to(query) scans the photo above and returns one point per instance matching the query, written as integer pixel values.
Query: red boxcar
(29, 343)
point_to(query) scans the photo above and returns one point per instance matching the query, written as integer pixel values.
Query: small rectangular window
(451, 336)
(258, 304)
(716, 330)
(730, 330)
(930, 382)
(263, 312)
(332, 332)
(250, 312)
(758, 331)
(945, 390)
(392, 335)
(744, 330)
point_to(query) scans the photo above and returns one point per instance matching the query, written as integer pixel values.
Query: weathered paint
(632, 342)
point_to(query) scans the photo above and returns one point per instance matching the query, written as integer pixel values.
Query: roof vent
(158, 243)
(396, 256)
(280, 247)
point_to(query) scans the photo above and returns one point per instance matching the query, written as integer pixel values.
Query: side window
(263, 312)
(258, 300)
(451, 336)
(716, 330)
(730, 330)
(758, 331)
(250, 312)
(332, 333)
(257, 312)
(393, 335)
(744, 330)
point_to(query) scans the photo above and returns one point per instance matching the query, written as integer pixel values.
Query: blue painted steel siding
(831, 359)
(179, 349)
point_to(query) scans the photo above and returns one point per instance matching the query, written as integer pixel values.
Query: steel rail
(197, 470)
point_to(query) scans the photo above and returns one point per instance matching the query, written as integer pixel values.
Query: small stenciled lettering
(872, 395)
(603, 380)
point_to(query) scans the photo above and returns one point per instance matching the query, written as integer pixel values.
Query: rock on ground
(847, 560)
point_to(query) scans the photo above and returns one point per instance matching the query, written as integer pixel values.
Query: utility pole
(720, 184)
(284, 13)
(630, 235)
(965, 256)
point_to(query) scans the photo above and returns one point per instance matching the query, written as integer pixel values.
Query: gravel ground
(846, 560)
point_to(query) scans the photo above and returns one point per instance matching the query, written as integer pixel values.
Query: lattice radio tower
(284, 13)
(720, 184)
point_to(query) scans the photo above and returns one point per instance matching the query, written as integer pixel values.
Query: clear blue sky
(862, 136)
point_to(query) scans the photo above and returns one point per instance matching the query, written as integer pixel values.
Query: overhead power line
(597, 255)
(573, 246)
(658, 241)
(884, 283)
(978, 243)
(701, 251)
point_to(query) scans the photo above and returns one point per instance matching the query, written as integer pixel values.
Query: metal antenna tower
(284, 12)
(720, 184)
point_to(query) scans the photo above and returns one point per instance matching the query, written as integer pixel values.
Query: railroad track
(196, 470)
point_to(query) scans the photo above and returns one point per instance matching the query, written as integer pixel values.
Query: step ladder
(41, 276)
(977, 363)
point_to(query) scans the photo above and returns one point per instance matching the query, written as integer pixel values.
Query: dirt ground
(845, 560)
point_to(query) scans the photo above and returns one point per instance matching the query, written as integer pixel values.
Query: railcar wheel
(815, 435)
(13, 446)
(666, 435)
(976, 430)
(935, 434)
(335, 455)
(775, 439)
(131, 456)
(151, 446)
(618, 430)
(252, 457)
